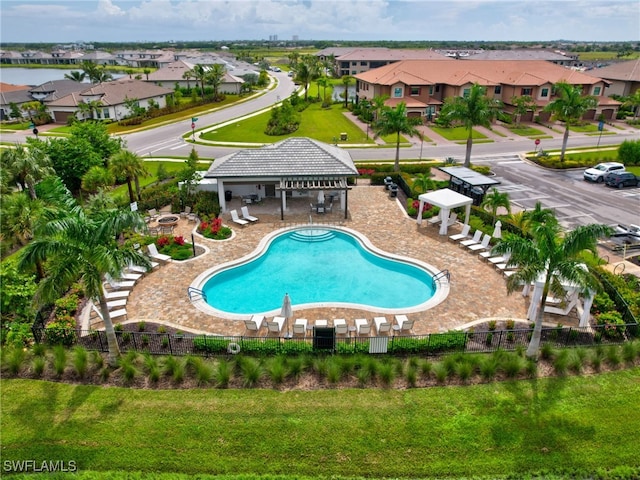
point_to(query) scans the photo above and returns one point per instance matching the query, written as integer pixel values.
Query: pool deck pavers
(477, 290)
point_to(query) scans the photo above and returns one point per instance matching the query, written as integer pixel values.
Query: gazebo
(469, 182)
(447, 200)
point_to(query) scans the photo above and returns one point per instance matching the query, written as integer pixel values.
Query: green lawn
(589, 127)
(493, 429)
(457, 133)
(14, 126)
(525, 131)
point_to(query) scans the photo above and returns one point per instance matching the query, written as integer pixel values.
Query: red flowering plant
(176, 247)
(427, 212)
(214, 229)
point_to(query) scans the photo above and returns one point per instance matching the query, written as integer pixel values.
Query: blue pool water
(317, 266)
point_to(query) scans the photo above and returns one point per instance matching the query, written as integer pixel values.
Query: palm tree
(422, 182)
(27, 166)
(102, 76)
(346, 81)
(19, 214)
(554, 256)
(378, 104)
(471, 110)
(200, 74)
(568, 107)
(304, 75)
(188, 75)
(128, 165)
(395, 120)
(494, 200)
(215, 76)
(83, 246)
(522, 105)
(634, 102)
(76, 76)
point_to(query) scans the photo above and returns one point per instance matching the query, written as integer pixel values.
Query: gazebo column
(283, 203)
(467, 213)
(420, 209)
(586, 310)
(221, 200)
(444, 220)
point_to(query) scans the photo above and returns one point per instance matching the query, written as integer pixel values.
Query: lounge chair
(113, 314)
(246, 216)
(275, 326)
(495, 260)
(453, 218)
(119, 284)
(153, 253)
(140, 269)
(404, 323)
(116, 295)
(115, 304)
(129, 276)
(362, 326)
(236, 219)
(321, 323)
(434, 220)
(254, 324)
(187, 211)
(382, 325)
(153, 214)
(462, 235)
(300, 326)
(340, 324)
(475, 239)
(484, 245)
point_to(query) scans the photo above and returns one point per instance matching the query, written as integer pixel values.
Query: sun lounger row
(246, 217)
(300, 326)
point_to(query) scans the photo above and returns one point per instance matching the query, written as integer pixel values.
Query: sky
(197, 20)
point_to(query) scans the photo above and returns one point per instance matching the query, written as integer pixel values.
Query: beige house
(174, 73)
(423, 85)
(111, 98)
(624, 77)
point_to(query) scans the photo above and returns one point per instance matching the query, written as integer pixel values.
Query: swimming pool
(318, 267)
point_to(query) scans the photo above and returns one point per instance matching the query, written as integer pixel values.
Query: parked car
(622, 179)
(597, 173)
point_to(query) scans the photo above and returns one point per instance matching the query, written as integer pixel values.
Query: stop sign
(193, 125)
(537, 142)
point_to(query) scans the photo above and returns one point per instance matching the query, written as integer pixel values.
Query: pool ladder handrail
(441, 274)
(198, 294)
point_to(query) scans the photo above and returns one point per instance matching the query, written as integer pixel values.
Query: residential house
(173, 74)
(9, 94)
(624, 77)
(112, 98)
(557, 57)
(423, 85)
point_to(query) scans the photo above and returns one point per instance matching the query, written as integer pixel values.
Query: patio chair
(462, 235)
(453, 218)
(404, 323)
(254, 324)
(434, 220)
(362, 326)
(246, 216)
(153, 253)
(275, 326)
(236, 219)
(116, 295)
(484, 245)
(153, 213)
(475, 239)
(113, 315)
(115, 304)
(497, 259)
(119, 284)
(340, 324)
(187, 211)
(300, 326)
(382, 325)
(321, 323)
(129, 276)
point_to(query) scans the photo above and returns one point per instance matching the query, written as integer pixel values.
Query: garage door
(61, 117)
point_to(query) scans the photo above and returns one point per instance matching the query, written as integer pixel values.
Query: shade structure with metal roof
(292, 165)
(447, 200)
(469, 182)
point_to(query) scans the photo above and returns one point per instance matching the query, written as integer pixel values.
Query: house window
(596, 91)
(430, 89)
(544, 92)
(105, 113)
(363, 64)
(397, 92)
(525, 91)
(497, 90)
(437, 88)
(415, 91)
(353, 64)
(353, 72)
(466, 92)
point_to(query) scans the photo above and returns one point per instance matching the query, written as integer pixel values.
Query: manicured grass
(589, 127)
(525, 131)
(592, 56)
(457, 133)
(492, 429)
(14, 126)
(324, 125)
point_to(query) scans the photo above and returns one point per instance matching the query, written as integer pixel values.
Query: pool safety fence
(426, 345)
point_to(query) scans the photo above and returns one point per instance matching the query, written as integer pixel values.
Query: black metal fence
(427, 345)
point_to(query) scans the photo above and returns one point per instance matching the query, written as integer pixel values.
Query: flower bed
(175, 247)
(214, 229)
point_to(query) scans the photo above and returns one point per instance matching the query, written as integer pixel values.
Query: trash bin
(227, 195)
(343, 136)
(477, 195)
(387, 181)
(393, 190)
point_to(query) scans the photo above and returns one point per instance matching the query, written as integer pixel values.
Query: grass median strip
(492, 429)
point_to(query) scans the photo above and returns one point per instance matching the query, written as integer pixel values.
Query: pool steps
(312, 235)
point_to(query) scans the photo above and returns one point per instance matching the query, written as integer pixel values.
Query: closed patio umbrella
(321, 196)
(286, 311)
(497, 231)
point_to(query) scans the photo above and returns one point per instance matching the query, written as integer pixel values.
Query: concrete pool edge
(441, 290)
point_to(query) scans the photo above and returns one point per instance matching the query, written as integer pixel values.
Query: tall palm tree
(568, 107)
(27, 166)
(83, 246)
(378, 104)
(188, 75)
(126, 164)
(306, 72)
(494, 200)
(346, 81)
(19, 214)
(634, 102)
(555, 256)
(395, 120)
(76, 76)
(200, 74)
(471, 110)
(215, 76)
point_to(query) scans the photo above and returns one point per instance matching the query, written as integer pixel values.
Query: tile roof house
(623, 76)
(558, 58)
(296, 167)
(9, 94)
(111, 97)
(424, 84)
(173, 73)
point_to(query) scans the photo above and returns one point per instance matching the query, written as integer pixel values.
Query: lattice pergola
(289, 184)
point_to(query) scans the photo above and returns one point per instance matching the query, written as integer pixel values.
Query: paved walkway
(477, 290)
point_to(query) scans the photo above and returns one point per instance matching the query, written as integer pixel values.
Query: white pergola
(447, 200)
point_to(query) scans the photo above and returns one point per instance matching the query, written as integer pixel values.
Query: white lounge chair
(236, 219)
(187, 211)
(254, 324)
(300, 326)
(484, 245)
(115, 304)
(382, 325)
(462, 235)
(404, 323)
(129, 276)
(246, 216)
(275, 326)
(321, 323)
(116, 295)
(475, 239)
(362, 326)
(496, 260)
(112, 314)
(119, 284)
(153, 253)
(340, 324)
(453, 218)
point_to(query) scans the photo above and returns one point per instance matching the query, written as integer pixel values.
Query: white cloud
(106, 7)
